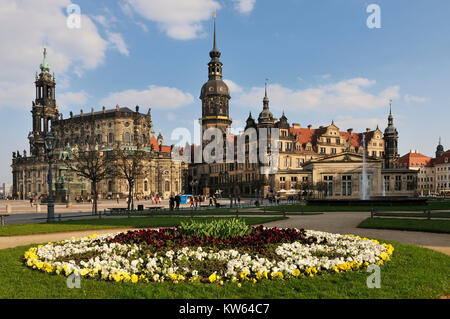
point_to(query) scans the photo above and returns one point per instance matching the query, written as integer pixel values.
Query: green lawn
(432, 205)
(408, 214)
(105, 223)
(434, 226)
(413, 272)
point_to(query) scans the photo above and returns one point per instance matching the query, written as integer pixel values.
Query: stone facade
(304, 155)
(120, 128)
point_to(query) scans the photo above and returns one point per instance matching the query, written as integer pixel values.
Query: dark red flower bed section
(174, 237)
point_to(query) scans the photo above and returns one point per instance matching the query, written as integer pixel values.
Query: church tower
(390, 142)
(439, 149)
(44, 108)
(215, 94)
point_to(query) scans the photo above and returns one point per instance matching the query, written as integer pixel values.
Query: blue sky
(322, 61)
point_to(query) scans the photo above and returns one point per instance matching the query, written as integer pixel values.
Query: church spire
(214, 53)
(45, 67)
(266, 98)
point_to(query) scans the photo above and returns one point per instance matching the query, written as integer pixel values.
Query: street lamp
(49, 147)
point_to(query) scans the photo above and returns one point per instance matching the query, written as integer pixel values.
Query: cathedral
(336, 159)
(119, 127)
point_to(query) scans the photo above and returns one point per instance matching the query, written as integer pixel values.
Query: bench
(2, 216)
(154, 207)
(117, 209)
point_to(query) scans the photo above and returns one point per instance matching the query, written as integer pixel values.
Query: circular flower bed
(168, 254)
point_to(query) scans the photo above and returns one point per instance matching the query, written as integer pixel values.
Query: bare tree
(92, 164)
(129, 166)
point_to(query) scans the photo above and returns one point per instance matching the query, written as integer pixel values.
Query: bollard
(371, 213)
(59, 217)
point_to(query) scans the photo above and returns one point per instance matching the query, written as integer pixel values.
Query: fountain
(364, 189)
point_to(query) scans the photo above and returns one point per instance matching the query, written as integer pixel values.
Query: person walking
(117, 198)
(177, 201)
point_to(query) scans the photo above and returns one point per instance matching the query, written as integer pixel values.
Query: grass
(413, 272)
(433, 226)
(408, 214)
(106, 223)
(431, 205)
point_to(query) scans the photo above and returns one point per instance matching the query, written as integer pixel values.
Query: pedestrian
(171, 202)
(191, 201)
(31, 201)
(239, 201)
(178, 200)
(210, 201)
(117, 198)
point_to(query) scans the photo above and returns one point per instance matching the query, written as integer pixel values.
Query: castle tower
(44, 108)
(215, 94)
(390, 142)
(439, 149)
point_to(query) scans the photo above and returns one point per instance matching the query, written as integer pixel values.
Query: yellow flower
(296, 272)
(212, 278)
(134, 278)
(239, 285)
(172, 276)
(244, 274)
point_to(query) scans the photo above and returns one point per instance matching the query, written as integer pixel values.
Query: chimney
(104, 110)
(367, 130)
(81, 112)
(309, 126)
(350, 131)
(137, 108)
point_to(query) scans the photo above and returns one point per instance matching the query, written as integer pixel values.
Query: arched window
(110, 137)
(145, 186)
(126, 137)
(167, 186)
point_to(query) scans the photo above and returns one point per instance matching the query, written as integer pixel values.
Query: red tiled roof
(441, 159)
(413, 160)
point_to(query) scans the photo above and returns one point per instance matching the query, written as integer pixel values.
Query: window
(374, 153)
(322, 150)
(333, 150)
(282, 179)
(126, 137)
(328, 140)
(145, 186)
(346, 185)
(167, 186)
(398, 183)
(329, 181)
(111, 138)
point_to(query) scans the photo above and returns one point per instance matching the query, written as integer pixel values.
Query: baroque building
(304, 155)
(104, 130)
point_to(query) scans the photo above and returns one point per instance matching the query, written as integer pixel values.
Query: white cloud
(159, 97)
(68, 99)
(116, 40)
(25, 26)
(234, 88)
(244, 6)
(346, 95)
(414, 99)
(179, 19)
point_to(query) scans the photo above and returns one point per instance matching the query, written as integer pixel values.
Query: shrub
(222, 228)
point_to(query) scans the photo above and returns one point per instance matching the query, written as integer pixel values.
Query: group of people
(174, 201)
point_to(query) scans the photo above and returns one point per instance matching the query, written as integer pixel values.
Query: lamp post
(49, 147)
